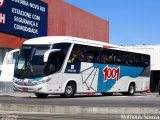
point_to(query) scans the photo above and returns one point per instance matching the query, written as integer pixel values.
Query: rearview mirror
(47, 53)
(12, 55)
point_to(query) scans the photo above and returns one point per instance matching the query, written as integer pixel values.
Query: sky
(131, 22)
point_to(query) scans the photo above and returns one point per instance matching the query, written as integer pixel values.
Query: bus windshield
(30, 62)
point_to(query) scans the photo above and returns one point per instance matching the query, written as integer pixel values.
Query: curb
(16, 94)
(48, 109)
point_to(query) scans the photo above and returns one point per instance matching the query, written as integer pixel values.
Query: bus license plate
(24, 88)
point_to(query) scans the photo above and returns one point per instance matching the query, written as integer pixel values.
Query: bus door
(53, 69)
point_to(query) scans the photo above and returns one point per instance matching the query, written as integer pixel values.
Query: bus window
(117, 57)
(77, 54)
(62, 46)
(137, 60)
(123, 57)
(106, 56)
(93, 56)
(74, 57)
(83, 53)
(55, 61)
(145, 60)
(130, 58)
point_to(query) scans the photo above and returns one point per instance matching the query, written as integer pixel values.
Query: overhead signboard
(24, 18)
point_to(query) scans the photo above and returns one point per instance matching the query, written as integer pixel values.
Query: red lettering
(2, 18)
(111, 73)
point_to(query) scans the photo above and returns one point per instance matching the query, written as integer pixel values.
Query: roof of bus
(68, 39)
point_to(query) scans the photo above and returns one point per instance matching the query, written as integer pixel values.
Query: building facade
(63, 19)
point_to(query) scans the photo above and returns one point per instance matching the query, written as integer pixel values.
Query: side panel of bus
(106, 78)
(112, 78)
(117, 78)
(89, 77)
(92, 74)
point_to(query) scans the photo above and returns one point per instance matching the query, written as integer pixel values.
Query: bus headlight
(44, 80)
(15, 79)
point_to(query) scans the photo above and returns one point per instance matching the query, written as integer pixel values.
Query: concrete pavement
(60, 109)
(16, 94)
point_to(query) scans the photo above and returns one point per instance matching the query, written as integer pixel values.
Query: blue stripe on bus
(109, 74)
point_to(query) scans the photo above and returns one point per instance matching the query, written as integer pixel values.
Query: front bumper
(34, 89)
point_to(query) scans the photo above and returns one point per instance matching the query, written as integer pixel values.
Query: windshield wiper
(27, 65)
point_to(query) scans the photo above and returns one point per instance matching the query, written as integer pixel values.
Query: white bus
(69, 65)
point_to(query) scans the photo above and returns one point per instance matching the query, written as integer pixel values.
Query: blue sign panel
(24, 18)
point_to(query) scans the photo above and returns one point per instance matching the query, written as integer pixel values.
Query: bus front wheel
(70, 90)
(40, 95)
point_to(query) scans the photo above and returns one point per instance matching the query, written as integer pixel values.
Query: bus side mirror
(47, 53)
(12, 55)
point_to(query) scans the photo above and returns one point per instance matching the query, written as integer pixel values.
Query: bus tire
(131, 90)
(70, 90)
(106, 94)
(39, 95)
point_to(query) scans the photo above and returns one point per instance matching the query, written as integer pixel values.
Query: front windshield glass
(30, 61)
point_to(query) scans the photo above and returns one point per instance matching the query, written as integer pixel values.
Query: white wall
(7, 70)
(153, 51)
(2, 55)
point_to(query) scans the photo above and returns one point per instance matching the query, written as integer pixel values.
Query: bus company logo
(1, 3)
(111, 73)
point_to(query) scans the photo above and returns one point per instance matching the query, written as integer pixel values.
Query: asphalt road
(139, 100)
(21, 107)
